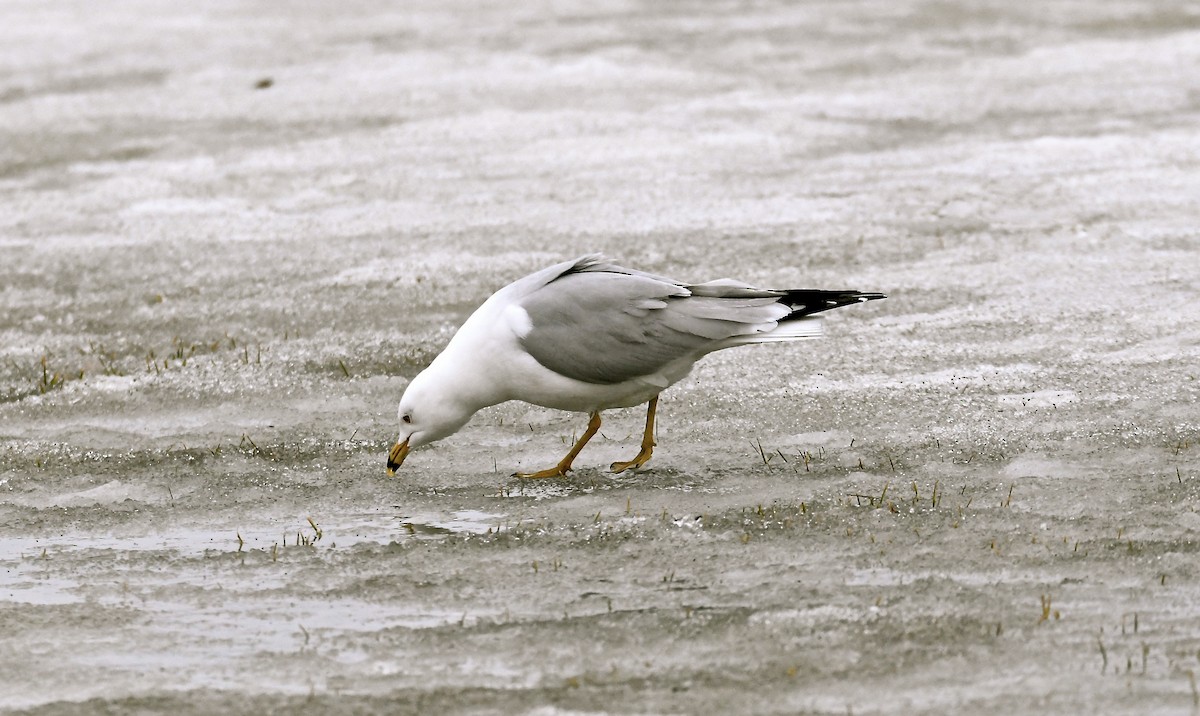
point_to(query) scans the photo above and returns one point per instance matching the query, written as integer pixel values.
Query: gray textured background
(977, 496)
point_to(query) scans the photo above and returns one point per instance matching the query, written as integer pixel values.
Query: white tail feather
(795, 330)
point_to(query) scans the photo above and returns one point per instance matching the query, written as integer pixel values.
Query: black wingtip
(805, 302)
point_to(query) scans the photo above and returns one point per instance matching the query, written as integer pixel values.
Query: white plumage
(587, 335)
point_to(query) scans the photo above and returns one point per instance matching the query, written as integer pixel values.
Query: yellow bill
(396, 458)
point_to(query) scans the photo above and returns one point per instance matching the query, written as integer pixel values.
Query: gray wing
(604, 324)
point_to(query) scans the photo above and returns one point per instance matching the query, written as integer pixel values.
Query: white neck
(463, 371)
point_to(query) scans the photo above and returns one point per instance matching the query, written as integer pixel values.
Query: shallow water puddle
(189, 540)
(32, 568)
(460, 522)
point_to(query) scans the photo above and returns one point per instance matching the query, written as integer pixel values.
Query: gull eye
(406, 418)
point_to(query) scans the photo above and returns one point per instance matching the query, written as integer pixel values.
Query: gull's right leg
(647, 441)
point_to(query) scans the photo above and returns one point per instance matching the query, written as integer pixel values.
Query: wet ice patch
(104, 384)
(110, 493)
(460, 522)
(1039, 398)
(985, 376)
(875, 577)
(805, 617)
(823, 438)
(1039, 466)
(185, 205)
(16, 586)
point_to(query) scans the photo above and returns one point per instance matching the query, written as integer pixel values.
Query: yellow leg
(647, 441)
(565, 464)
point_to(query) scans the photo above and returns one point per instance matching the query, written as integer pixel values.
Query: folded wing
(601, 326)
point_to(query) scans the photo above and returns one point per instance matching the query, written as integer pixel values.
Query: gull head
(427, 412)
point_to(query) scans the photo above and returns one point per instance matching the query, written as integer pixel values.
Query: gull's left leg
(565, 464)
(647, 441)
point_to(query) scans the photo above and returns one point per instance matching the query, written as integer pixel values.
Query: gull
(588, 335)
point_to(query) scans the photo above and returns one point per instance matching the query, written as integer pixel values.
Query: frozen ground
(232, 231)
